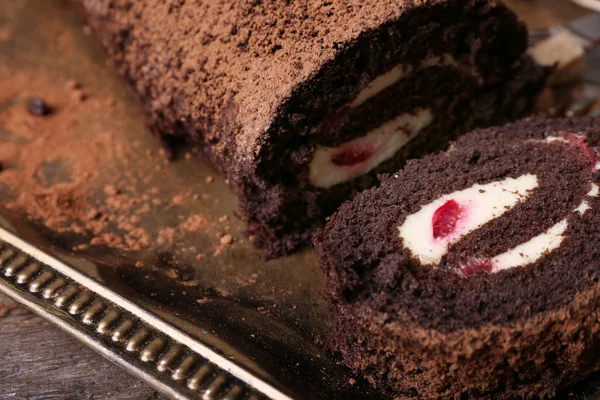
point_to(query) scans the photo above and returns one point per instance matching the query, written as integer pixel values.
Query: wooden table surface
(38, 361)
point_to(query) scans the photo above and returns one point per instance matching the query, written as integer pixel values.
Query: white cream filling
(397, 73)
(482, 204)
(387, 139)
(583, 207)
(551, 139)
(532, 250)
(381, 83)
(384, 141)
(429, 251)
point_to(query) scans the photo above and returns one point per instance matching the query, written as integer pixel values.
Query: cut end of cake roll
(300, 105)
(474, 272)
(400, 89)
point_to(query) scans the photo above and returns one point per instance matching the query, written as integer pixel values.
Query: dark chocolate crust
(257, 85)
(427, 332)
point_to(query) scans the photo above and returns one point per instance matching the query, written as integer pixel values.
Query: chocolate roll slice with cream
(474, 273)
(301, 104)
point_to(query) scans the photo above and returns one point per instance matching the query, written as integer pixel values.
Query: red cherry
(352, 155)
(579, 141)
(445, 218)
(476, 265)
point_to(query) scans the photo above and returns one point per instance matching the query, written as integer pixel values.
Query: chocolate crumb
(38, 107)
(227, 239)
(92, 214)
(178, 200)
(79, 95)
(72, 84)
(110, 190)
(188, 283)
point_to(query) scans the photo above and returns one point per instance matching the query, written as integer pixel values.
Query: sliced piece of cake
(474, 273)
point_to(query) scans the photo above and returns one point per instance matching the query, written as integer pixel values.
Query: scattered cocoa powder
(166, 236)
(33, 149)
(79, 169)
(5, 34)
(178, 200)
(194, 223)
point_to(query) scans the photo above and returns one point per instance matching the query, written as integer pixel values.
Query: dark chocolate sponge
(461, 326)
(260, 86)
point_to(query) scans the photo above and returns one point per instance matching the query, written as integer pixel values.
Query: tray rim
(89, 311)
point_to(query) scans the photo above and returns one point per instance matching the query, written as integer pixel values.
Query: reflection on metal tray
(223, 347)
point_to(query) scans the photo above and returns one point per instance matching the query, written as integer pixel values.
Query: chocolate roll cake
(300, 104)
(474, 273)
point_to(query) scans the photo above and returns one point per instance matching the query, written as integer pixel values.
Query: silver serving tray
(241, 341)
